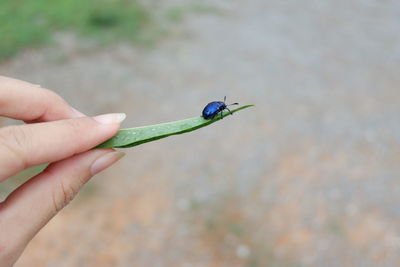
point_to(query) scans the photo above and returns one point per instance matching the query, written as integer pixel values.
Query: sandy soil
(310, 177)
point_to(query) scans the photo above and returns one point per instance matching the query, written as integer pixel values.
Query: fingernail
(105, 161)
(110, 118)
(78, 113)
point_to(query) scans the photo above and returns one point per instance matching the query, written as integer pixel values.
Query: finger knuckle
(49, 94)
(63, 195)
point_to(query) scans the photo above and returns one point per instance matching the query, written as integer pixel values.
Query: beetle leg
(222, 115)
(230, 112)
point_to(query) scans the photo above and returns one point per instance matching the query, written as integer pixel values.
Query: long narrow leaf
(139, 135)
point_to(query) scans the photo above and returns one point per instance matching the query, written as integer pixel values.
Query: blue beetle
(213, 108)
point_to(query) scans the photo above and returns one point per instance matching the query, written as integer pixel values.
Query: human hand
(57, 134)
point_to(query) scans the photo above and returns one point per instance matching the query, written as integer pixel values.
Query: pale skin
(54, 133)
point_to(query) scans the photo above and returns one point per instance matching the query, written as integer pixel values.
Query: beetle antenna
(224, 98)
(233, 104)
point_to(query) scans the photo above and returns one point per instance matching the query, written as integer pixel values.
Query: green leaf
(139, 135)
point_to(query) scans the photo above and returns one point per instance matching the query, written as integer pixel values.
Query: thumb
(34, 203)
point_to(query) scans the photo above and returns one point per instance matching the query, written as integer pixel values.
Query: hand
(55, 133)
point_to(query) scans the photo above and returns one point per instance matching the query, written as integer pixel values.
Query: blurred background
(309, 177)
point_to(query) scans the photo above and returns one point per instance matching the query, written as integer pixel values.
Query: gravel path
(309, 177)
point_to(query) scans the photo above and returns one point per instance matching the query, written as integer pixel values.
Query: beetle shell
(212, 109)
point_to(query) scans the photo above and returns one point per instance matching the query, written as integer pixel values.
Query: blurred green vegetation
(27, 23)
(177, 13)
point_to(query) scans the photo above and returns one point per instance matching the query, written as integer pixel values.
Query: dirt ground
(309, 177)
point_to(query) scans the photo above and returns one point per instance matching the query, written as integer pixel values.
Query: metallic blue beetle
(213, 108)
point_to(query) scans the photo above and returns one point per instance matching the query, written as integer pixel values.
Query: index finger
(25, 101)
